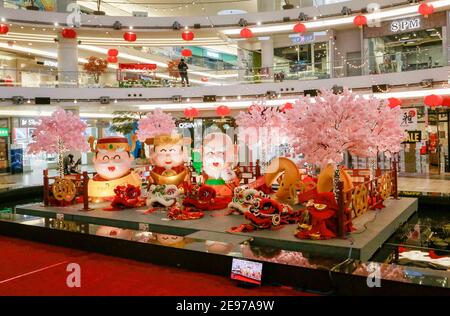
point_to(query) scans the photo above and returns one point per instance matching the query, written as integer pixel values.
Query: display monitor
(249, 272)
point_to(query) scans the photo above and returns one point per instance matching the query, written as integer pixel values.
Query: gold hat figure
(113, 143)
(168, 140)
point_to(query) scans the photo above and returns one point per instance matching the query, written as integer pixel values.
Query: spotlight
(117, 25)
(176, 99)
(176, 26)
(337, 89)
(346, 11)
(104, 100)
(242, 22)
(17, 100)
(271, 94)
(303, 16)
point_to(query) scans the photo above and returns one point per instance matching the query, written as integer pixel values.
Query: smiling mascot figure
(112, 162)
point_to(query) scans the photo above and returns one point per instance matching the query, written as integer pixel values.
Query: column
(266, 5)
(61, 5)
(67, 62)
(244, 65)
(1, 4)
(331, 56)
(267, 57)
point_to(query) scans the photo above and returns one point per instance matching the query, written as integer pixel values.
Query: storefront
(306, 55)
(406, 44)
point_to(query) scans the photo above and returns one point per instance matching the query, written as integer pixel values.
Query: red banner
(137, 66)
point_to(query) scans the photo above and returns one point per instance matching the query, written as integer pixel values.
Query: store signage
(50, 63)
(414, 137)
(4, 132)
(409, 119)
(212, 55)
(137, 66)
(28, 122)
(188, 125)
(405, 25)
(302, 39)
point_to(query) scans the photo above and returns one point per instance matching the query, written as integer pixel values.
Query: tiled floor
(408, 183)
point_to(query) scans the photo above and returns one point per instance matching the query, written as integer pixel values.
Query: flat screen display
(246, 271)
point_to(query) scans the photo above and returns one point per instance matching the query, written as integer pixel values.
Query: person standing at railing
(182, 69)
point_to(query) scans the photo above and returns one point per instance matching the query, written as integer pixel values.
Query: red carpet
(29, 268)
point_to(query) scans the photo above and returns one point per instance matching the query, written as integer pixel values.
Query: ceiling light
(188, 99)
(130, 27)
(3, 20)
(75, 101)
(239, 97)
(115, 101)
(258, 23)
(56, 24)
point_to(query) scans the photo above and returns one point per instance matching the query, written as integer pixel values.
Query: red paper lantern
(360, 21)
(446, 101)
(394, 102)
(191, 112)
(186, 53)
(299, 28)
(112, 59)
(113, 52)
(130, 36)
(426, 9)
(433, 100)
(223, 110)
(4, 29)
(246, 33)
(187, 35)
(69, 33)
(287, 106)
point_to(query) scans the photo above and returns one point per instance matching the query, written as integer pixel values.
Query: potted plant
(99, 12)
(32, 6)
(95, 67)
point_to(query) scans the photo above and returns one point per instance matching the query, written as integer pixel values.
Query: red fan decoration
(191, 112)
(4, 29)
(113, 52)
(246, 33)
(187, 35)
(223, 110)
(360, 21)
(69, 33)
(299, 28)
(287, 106)
(186, 52)
(394, 102)
(112, 59)
(433, 100)
(130, 36)
(426, 9)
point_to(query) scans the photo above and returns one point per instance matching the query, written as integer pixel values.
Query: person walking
(182, 69)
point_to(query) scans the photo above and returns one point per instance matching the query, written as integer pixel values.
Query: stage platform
(373, 228)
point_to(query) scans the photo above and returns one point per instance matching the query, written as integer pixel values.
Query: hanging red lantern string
(360, 20)
(287, 106)
(223, 110)
(446, 101)
(191, 113)
(299, 28)
(187, 35)
(433, 100)
(4, 29)
(426, 9)
(69, 33)
(130, 36)
(394, 102)
(112, 59)
(246, 33)
(186, 52)
(113, 52)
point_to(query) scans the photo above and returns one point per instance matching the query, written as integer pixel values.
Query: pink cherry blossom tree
(61, 132)
(155, 123)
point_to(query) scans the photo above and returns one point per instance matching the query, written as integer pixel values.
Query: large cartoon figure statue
(112, 161)
(218, 159)
(168, 158)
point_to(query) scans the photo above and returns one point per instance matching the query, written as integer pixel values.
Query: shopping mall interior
(225, 147)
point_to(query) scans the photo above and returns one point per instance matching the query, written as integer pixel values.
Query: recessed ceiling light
(130, 27)
(224, 98)
(75, 101)
(115, 101)
(188, 99)
(239, 97)
(56, 24)
(258, 23)
(3, 19)
(315, 18)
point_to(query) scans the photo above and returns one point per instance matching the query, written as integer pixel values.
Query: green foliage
(125, 121)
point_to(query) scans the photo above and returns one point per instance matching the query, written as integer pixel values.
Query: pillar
(267, 56)
(67, 62)
(1, 3)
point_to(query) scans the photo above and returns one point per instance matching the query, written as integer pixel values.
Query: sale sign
(409, 119)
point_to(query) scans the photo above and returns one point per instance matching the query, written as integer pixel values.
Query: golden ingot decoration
(64, 189)
(286, 171)
(385, 186)
(360, 200)
(169, 177)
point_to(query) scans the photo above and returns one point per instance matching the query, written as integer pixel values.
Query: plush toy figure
(218, 158)
(168, 158)
(164, 195)
(112, 161)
